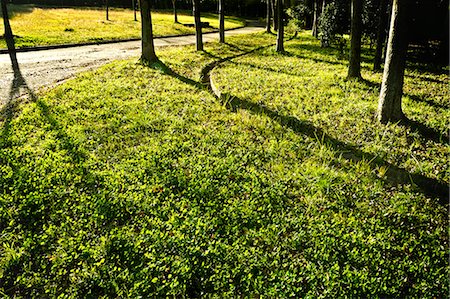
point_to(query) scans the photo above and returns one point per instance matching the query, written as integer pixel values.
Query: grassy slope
(127, 181)
(48, 26)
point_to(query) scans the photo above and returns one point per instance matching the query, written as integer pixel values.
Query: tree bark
(280, 32)
(148, 48)
(221, 22)
(175, 13)
(268, 15)
(198, 25)
(390, 102)
(8, 32)
(275, 15)
(354, 68)
(134, 10)
(381, 35)
(107, 10)
(315, 19)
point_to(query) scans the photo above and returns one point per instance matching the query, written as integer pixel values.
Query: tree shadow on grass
(423, 99)
(394, 174)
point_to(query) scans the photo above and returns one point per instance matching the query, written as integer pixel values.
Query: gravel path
(46, 68)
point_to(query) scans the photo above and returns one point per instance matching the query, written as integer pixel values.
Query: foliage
(371, 14)
(332, 24)
(46, 26)
(132, 181)
(298, 15)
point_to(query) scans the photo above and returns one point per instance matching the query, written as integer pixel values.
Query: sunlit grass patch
(133, 181)
(35, 26)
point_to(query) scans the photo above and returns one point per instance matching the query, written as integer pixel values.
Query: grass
(136, 181)
(35, 26)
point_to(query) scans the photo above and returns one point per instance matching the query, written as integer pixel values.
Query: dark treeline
(250, 8)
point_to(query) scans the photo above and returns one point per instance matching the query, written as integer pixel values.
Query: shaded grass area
(135, 181)
(36, 26)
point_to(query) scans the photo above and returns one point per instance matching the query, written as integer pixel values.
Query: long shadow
(423, 99)
(425, 131)
(394, 174)
(8, 110)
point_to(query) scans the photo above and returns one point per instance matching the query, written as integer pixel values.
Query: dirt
(43, 69)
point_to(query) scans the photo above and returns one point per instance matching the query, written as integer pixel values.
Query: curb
(63, 46)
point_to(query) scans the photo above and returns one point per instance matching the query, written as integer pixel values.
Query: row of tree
(389, 108)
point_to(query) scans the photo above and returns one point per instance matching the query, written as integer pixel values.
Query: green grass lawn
(136, 181)
(36, 26)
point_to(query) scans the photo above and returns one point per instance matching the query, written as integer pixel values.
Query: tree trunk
(390, 103)
(148, 48)
(134, 10)
(268, 16)
(221, 22)
(175, 13)
(389, 9)
(8, 32)
(280, 33)
(198, 25)
(381, 35)
(354, 68)
(107, 10)
(315, 19)
(275, 15)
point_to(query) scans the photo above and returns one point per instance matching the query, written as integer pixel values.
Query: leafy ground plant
(134, 181)
(35, 26)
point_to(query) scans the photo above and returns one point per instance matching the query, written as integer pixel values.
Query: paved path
(48, 67)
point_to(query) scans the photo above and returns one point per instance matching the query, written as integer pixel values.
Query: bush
(333, 23)
(298, 15)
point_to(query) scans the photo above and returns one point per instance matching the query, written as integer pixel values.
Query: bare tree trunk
(315, 19)
(221, 22)
(390, 103)
(389, 9)
(175, 13)
(148, 48)
(354, 68)
(268, 16)
(275, 15)
(107, 10)
(381, 35)
(8, 32)
(134, 10)
(280, 33)
(198, 25)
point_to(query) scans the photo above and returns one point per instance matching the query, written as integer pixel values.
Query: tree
(315, 31)
(268, 15)
(198, 25)
(221, 22)
(354, 68)
(107, 9)
(390, 102)
(8, 32)
(134, 9)
(275, 14)
(175, 13)
(148, 48)
(280, 32)
(381, 34)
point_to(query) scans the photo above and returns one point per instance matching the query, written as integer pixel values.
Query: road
(46, 68)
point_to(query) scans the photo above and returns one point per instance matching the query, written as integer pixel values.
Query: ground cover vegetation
(36, 26)
(136, 181)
